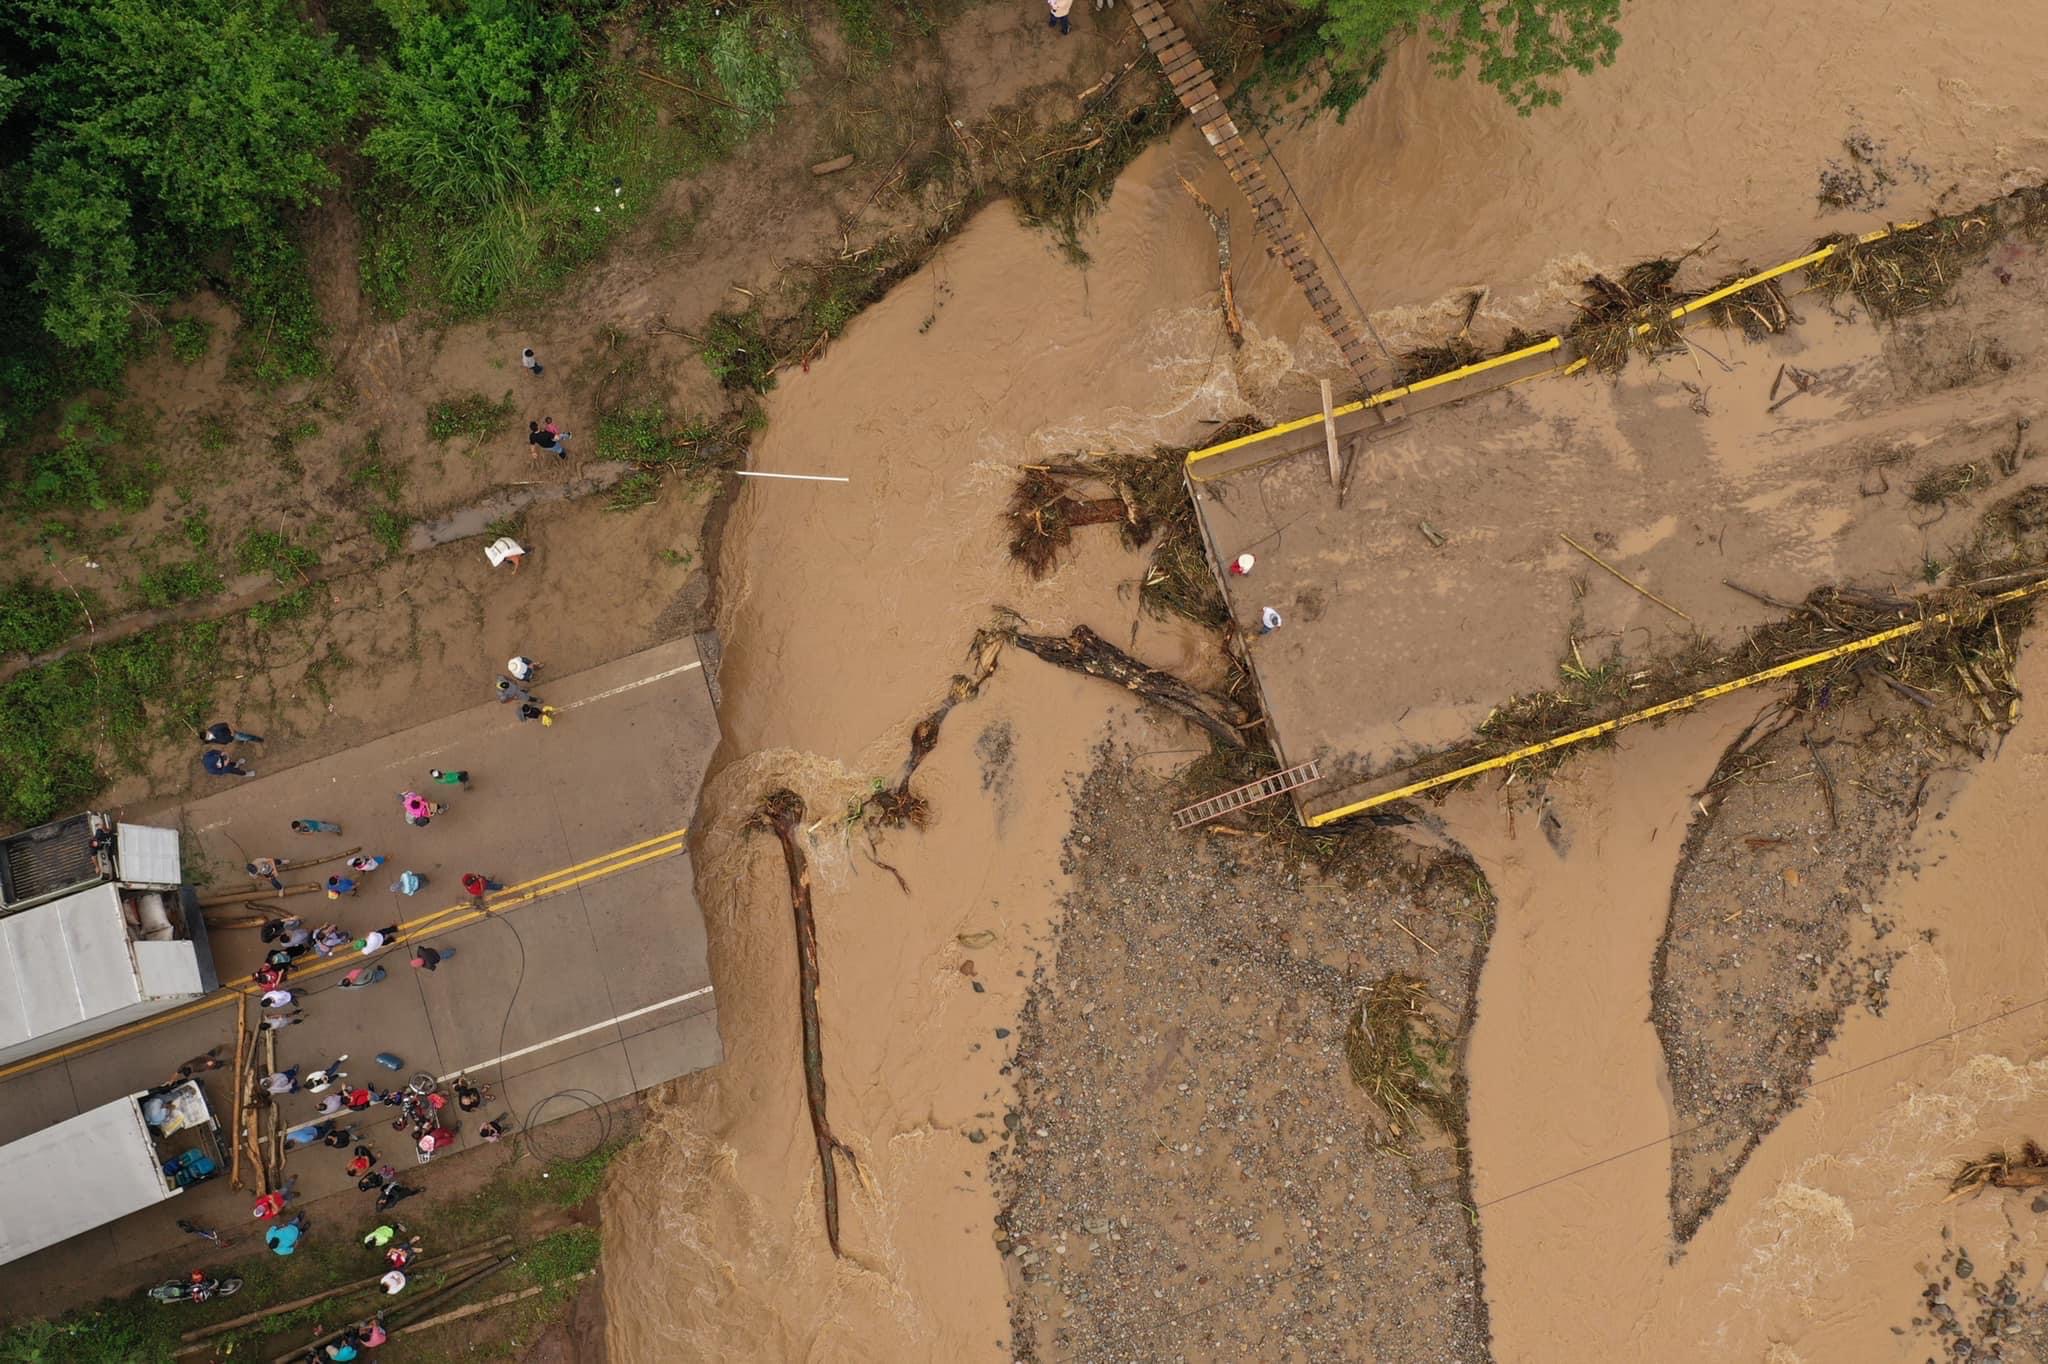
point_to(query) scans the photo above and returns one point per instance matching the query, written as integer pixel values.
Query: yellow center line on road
(441, 920)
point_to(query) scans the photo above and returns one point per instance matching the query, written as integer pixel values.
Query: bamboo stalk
(1610, 568)
(242, 897)
(688, 89)
(487, 1304)
(463, 1258)
(240, 1092)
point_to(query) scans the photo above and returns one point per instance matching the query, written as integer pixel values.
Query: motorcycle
(197, 1289)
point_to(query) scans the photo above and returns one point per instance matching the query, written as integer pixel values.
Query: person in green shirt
(449, 778)
(381, 1237)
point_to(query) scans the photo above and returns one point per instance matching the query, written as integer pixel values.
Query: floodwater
(846, 609)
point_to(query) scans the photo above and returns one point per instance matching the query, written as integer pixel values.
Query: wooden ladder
(1195, 86)
(1251, 793)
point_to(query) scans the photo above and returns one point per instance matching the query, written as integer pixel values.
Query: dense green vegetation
(137, 139)
(1520, 47)
(117, 698)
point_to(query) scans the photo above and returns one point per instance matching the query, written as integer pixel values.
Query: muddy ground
(1190, 1171)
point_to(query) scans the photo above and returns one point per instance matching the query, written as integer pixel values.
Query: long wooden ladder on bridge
(1251, 793)
(1195, 86)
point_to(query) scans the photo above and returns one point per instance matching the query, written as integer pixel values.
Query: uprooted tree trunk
(1084, 651)
(897, 804)
(782, 813)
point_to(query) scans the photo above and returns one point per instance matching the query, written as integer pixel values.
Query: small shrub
(388, 528)
(281, 328)
(34, 617)
(214, 432)
(469, 415)
(371, 471)
(637, 489)
(289, 607)
(198, 530)
(190, 338)
(84, 468)
(169, 584)
(738, 352)
(268, 551)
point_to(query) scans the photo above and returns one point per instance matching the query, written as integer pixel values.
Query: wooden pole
(487, 1304)
(240, 1083)
(454, 1259)
(242, 897)
(1609, 567)
(1330, 435)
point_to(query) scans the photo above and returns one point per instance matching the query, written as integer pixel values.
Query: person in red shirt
(478, 885)
(269, 1204)
(359, 1099)
(269, 977)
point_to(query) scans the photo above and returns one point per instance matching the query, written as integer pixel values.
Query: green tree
(1518, 46)
(453, 121)
(136, 136)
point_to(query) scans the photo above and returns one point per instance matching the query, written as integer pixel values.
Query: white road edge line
(628, 686)
(804, 478)
(580, 1032)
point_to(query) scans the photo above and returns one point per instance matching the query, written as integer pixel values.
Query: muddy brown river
(846, 608)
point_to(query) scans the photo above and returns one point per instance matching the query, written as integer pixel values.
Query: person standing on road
(284, 1081)
(521, 668)
(328, 937)
(316, 826)
(264, 869)
(479, 885)
(530, 361)
(418, 809)
(338, 886)
(458, 778)
(280, 999)
(508, 690)
(285, 1239)
(365, 862)
(220, 764)
(360, 978)
(222, 733)
(1058, 18)
(533, 710)
(428, 958)
(377, 938)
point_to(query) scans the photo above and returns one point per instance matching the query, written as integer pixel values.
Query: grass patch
(388, 529)
(272, 552)
(658, 447)
(169, 584)
(88, 467)
(372, 472)
(190, 338)
(749, 56)
(636, 490)
(281, 334)
(738, 351)
(292, 606)
(61, 721)
(35, 618)
(468, 416)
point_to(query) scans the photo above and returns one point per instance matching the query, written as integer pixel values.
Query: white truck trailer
(95, 931)
(105, 1163)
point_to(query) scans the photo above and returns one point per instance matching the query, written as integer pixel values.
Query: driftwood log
(782, 814)
(896, 804)
(1084, 651)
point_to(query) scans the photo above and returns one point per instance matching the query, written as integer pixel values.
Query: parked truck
(96, 930)
(105, 1163)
